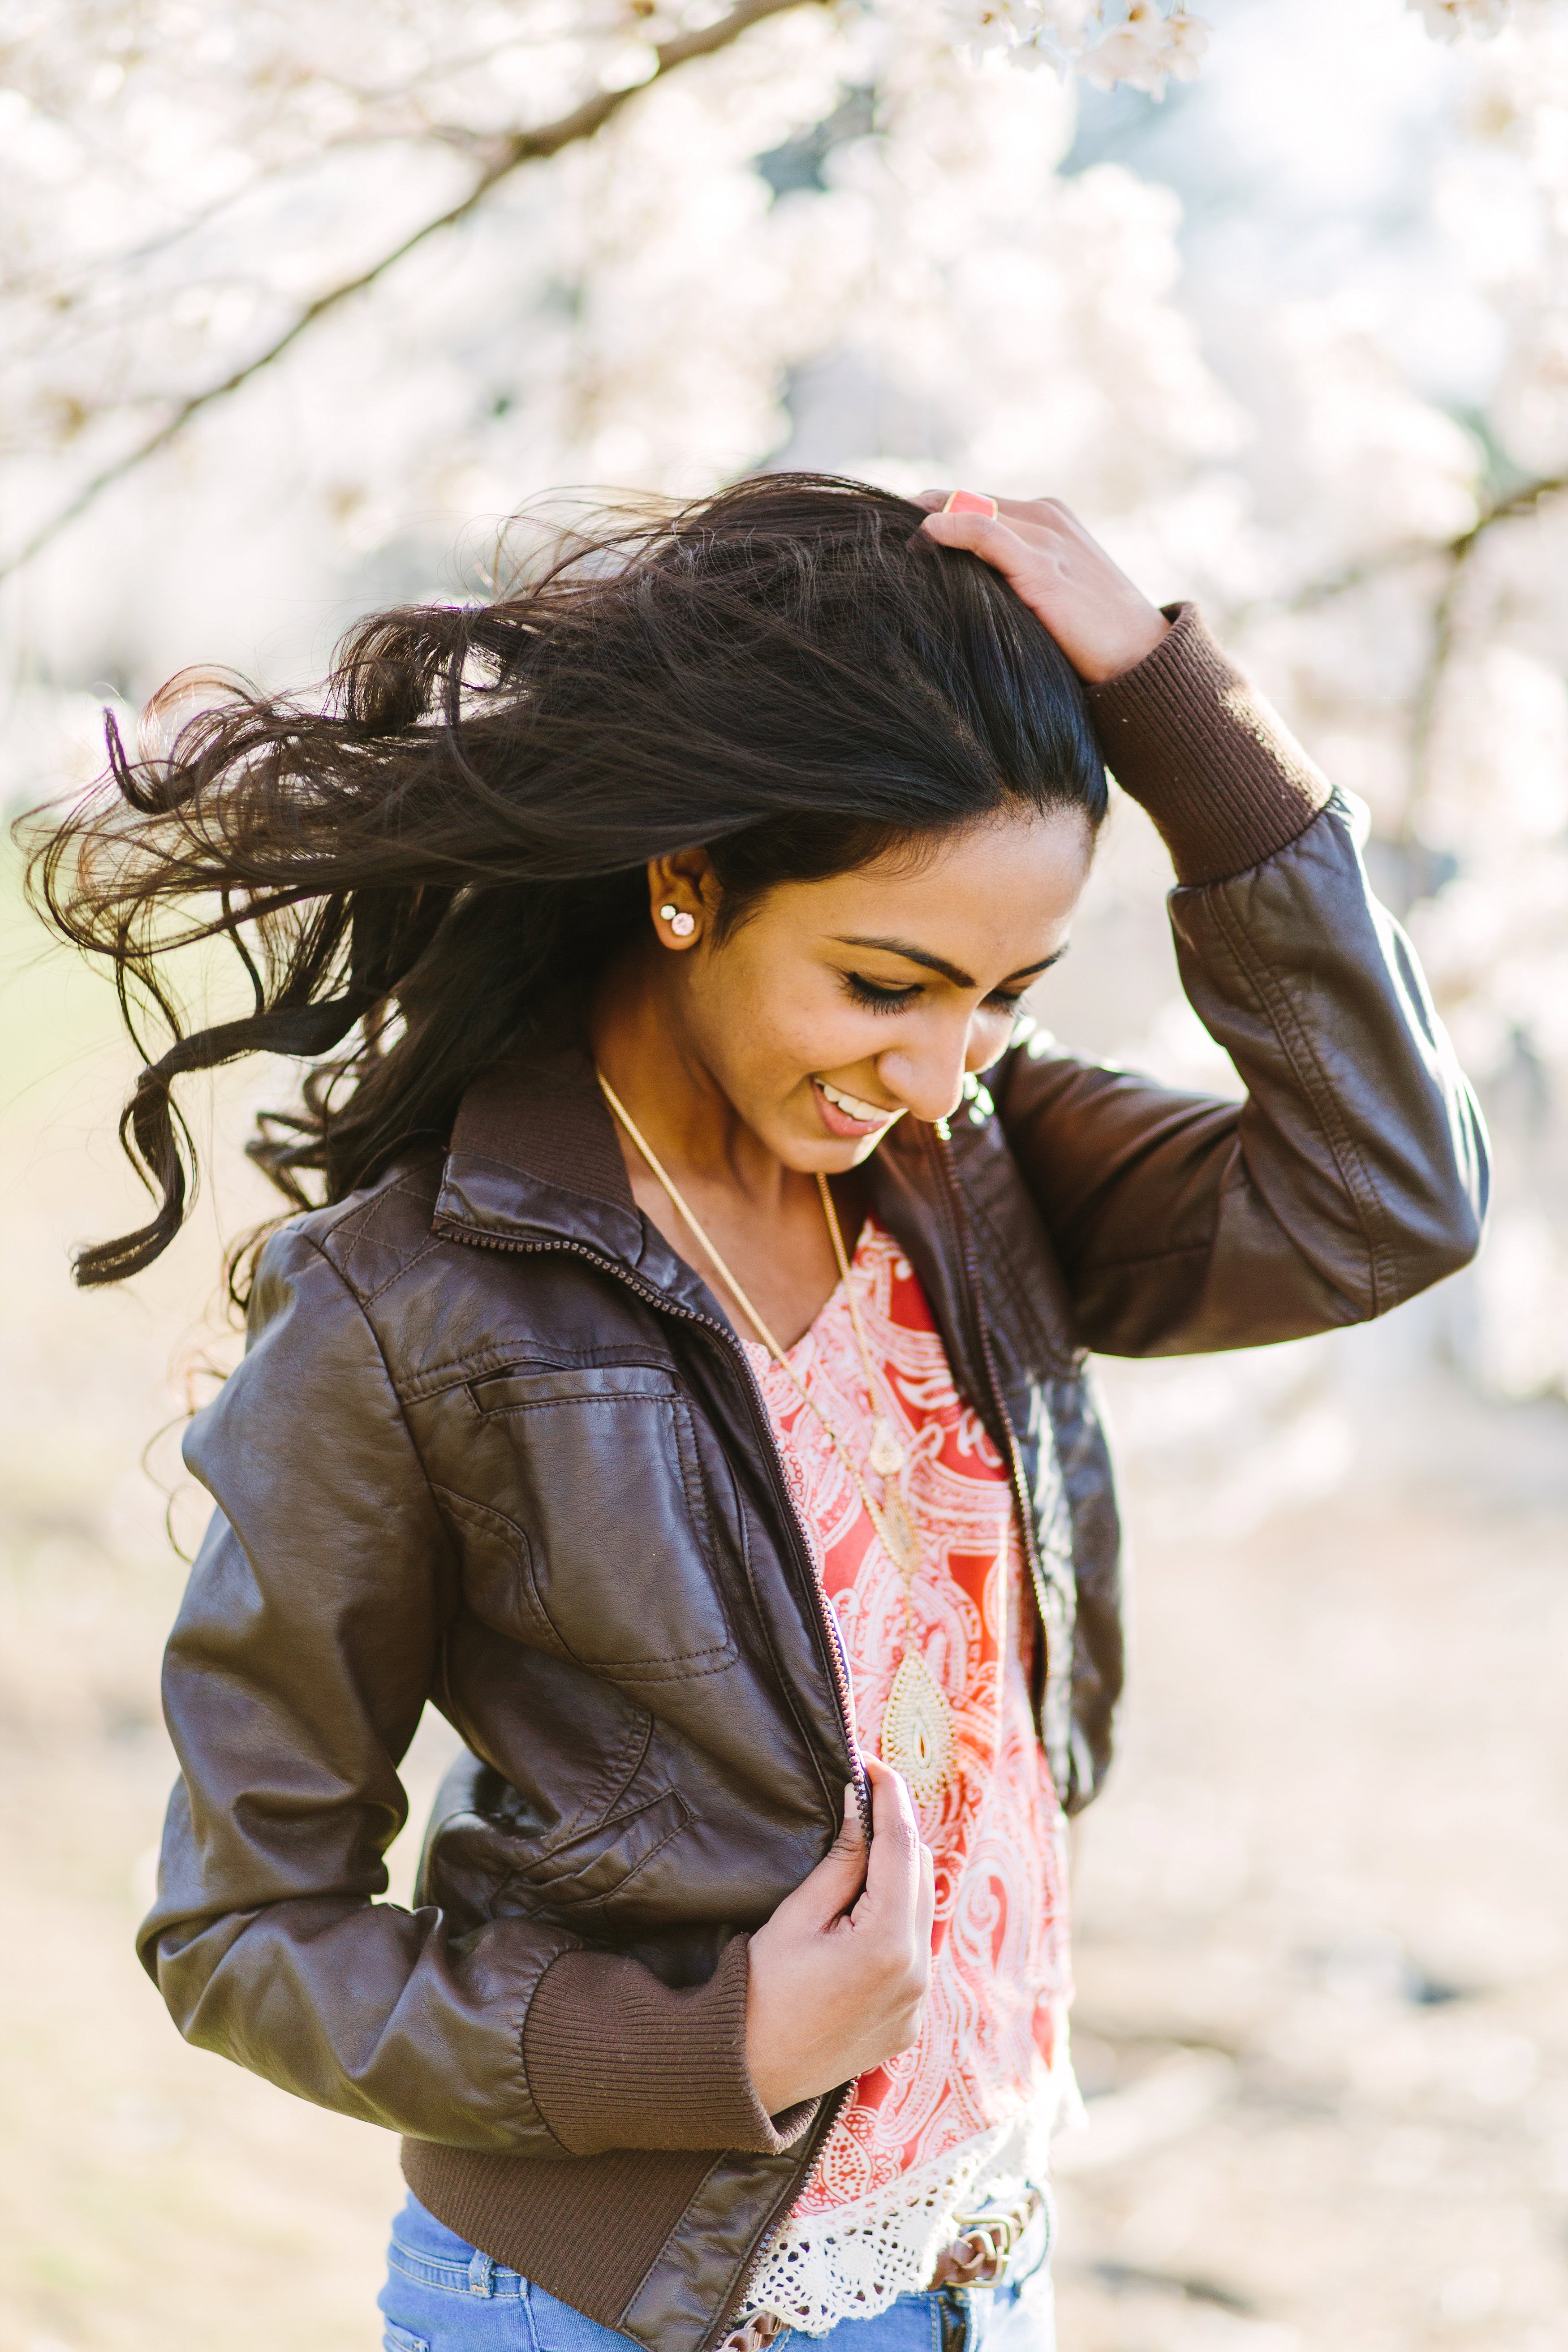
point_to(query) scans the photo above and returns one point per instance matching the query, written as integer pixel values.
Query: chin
(818, 1154)
(822, 1155)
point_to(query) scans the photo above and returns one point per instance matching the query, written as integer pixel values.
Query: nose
(926, 1074)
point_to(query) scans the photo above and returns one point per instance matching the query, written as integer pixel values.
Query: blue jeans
(442, 2297)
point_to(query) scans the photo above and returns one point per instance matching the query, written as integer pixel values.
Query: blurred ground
(1323, 2000)
(1323, 1912)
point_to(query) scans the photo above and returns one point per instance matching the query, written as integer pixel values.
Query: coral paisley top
(960, 2121)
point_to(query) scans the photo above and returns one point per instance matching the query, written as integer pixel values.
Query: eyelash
(893, 1000)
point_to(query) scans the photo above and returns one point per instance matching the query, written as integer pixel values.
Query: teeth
(851, 1105)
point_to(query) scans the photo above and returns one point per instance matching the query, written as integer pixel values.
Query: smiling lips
(845, 1114)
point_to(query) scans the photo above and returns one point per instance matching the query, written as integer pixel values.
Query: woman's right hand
(1102, 623)
(839, 1973)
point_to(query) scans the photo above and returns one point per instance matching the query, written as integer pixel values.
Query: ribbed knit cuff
(615, 2059)
(1187, 735)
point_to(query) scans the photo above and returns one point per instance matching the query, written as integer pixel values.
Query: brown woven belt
(977, 2258)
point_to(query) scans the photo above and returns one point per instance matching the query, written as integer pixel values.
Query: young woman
(664, 1394)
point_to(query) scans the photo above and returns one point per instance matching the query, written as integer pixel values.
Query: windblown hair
(429, 867)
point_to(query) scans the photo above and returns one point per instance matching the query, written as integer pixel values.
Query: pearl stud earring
(682, 925)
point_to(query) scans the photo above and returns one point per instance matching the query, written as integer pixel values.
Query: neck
(642, 1044)
(765, 1219)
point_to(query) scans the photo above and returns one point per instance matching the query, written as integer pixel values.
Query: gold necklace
(887, 1454)
(917, 1730)
(918, 1736)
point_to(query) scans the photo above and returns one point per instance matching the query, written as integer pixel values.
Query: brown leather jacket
(493, 1447)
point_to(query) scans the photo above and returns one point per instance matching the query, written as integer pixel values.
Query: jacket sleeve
(308, 1642)
(1353, 1173)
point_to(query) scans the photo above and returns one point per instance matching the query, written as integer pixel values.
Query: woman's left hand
(1102, 622)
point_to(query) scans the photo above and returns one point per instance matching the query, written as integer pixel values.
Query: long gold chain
(887, 1454)
(918, 1737)
(898, 1539)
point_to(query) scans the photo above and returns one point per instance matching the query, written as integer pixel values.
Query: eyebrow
(952, 971)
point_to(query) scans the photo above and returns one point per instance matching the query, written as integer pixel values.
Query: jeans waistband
(479, 2276)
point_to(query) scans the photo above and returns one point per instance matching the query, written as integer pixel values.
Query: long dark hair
(430, 864)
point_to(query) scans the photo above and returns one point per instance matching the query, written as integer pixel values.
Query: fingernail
(971, 502)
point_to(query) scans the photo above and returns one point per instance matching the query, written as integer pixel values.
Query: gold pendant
(917, 1730)
(886, 1456)
(897, 1531)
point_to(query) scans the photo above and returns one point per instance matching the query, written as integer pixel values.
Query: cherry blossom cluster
(1147, 47)
(1142, 44)
(845, 239)
(1454, 20)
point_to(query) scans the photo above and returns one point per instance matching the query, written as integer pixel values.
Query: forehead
(992, 900)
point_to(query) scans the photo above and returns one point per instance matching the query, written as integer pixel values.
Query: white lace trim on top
(854, 2260)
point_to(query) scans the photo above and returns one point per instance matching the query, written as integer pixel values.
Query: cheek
(780, 1028)
(815, 1032)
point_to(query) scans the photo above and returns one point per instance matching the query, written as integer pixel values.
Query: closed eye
(880, 999)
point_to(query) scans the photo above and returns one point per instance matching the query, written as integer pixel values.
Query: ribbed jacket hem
(643, 2087)
(586, 2229)
(1192, 740)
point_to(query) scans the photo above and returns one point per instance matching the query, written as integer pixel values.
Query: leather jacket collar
(535, 1163)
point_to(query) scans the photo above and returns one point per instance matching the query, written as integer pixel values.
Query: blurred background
(297, 303)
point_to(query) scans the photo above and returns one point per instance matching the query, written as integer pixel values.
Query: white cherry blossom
(847, 239)
(1147, 50)
(1456, 20)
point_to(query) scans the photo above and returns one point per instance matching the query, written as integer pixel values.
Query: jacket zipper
(827, 1623)
(838, 1670)
(959, 1211)
(833, 2107)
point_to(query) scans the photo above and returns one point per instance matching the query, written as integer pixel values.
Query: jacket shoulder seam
(344, 1235)
(346, 1287)
(426, 1249)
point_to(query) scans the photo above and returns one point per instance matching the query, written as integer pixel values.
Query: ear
(682, 895)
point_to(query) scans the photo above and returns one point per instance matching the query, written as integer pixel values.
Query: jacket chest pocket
(619, 1551)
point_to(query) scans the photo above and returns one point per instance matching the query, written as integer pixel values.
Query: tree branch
(1522, 501)
(1525, 500)
(1455, 555)
(508, 155)
(1424, 708)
